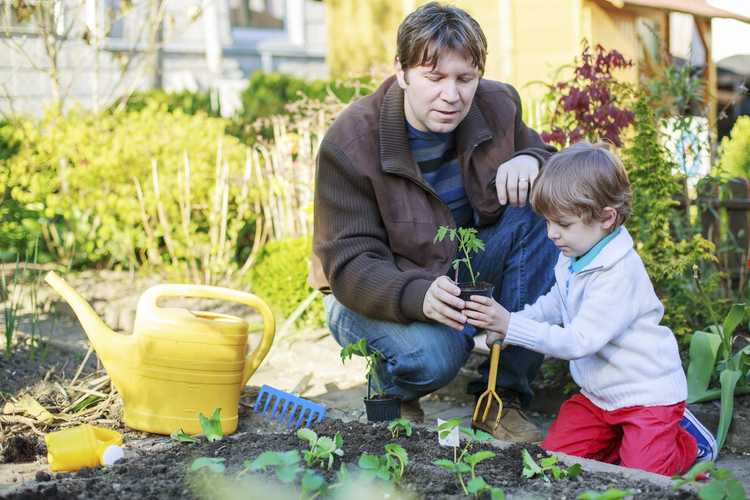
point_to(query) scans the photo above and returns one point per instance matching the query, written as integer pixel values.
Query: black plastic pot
(382, 409)
(481, 288)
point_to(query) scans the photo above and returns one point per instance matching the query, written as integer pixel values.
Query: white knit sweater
(619, 354)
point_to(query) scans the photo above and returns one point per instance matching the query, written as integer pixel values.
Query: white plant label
(452, 440)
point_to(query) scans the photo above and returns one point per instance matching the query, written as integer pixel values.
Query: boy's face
(436, 100)
(574, 237)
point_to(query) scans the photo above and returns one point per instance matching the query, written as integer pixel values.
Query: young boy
(602, 314)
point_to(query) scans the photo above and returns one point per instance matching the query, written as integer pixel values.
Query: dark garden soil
(163, 473)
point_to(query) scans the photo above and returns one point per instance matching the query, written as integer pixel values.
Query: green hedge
(279, 277)
(735, 150)
(76, 172)
(188, 102)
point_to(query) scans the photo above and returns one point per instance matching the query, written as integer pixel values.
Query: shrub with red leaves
(591, 105)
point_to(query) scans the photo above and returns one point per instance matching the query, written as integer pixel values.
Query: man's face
(436, 100)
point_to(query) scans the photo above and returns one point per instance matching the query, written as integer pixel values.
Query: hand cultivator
(286, 406)
(488, 397)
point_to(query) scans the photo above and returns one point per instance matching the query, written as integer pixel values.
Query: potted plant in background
(469, 243)
(379, 407)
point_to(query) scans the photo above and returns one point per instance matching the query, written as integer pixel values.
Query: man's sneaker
(707, 449)
(514, 425)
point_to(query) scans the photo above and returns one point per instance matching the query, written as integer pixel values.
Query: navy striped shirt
(435, 153)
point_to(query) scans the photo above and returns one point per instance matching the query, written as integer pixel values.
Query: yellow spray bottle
(82, 446)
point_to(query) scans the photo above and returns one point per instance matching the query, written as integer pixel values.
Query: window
(258, 14)
(24, 15)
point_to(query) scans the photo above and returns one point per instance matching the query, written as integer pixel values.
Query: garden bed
(165, 467)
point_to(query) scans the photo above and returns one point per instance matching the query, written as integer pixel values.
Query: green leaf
(610, 494)
(497, 494)
(397, 451)
(288, 473)
(266, 459)
(215, 465)
(703, 349)
(728, 380)
(477, 485)
(400, 425)
(211, 427)
(456, 468)
(368, 462)
(446, 427)
(312, 482)
(548, 461)
(574, 471)
(308, 435)
(477, 457)
(530, 467)
(179, 435)
(733, 318)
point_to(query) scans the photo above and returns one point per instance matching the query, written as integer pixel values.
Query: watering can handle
(253, 360)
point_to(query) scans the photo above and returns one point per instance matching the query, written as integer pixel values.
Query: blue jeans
(422, 357)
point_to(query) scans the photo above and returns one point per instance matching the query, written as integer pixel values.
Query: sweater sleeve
(547, 308)
(352, 245)
(603, 315)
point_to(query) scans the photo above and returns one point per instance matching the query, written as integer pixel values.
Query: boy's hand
(484, 312)
(493, 337)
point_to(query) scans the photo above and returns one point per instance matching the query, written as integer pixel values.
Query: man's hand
(441, 303)
(486, 313)
(514, 180)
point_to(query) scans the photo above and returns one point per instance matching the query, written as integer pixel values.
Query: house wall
(186, 58)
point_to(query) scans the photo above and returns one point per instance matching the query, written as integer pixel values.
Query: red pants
(642, 437)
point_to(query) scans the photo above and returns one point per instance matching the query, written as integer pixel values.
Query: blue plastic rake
(286, 406)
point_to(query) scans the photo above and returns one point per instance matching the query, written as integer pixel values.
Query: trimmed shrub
(735, 150)
(190, 103)
(279, 277)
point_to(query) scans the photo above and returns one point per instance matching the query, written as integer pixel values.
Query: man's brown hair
(425, 33)
(582, 180)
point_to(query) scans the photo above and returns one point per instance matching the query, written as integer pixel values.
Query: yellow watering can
(177, 362)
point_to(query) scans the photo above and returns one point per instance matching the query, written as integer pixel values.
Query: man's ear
(608, 218)
(403, 82)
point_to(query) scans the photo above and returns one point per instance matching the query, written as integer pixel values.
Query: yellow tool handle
(494, 365)
(253, 360)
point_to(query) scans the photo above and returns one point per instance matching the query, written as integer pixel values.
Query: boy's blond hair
(582, 180)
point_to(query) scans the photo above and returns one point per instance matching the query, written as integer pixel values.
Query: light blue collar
(577, 264)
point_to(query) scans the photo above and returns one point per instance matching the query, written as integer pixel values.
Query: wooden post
(703, 24)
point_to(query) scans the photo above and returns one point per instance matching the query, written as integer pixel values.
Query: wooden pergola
(702, 14)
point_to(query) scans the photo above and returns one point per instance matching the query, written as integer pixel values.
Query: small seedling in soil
(721, 485)
(610, 494)
(388, 467)
(372, 357)
(284, 463)
(211, 464)
(211, 426)
(322, 449)
(313, 485)
(398, 426)
(179, 435)
(468, 243)
(547, 465)
(465, 462)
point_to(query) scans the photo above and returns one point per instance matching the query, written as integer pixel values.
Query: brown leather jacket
(375, 217)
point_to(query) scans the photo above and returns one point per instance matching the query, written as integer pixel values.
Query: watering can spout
(105, 341)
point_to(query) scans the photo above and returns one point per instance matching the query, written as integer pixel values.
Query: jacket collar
(395, 153)
(608, 255)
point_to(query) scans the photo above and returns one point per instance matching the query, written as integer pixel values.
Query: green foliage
(180, 436)
(655, 187)
(372, 356)
(609, 494)
(389, 466)
(734, 153)
(323, 449)
(733, 368)
(464, 462)
(722, 484)
(400, 425)
(468, 244)
(547, 465)
(187, 102)
(77, 175)
(211, 464)
(212, 426)
(284, 464)
(279, 276)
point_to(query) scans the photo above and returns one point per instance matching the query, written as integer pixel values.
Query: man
(434, 146)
